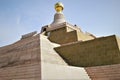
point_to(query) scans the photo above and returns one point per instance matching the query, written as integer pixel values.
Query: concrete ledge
(96, 52)
(29, 35)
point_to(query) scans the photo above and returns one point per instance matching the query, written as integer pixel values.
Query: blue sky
(18, 17)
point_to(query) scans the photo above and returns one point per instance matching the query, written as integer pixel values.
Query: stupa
(61, 51)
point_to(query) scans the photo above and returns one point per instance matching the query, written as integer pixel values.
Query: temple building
(61, 51)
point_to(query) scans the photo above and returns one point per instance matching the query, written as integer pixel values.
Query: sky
(19, 17)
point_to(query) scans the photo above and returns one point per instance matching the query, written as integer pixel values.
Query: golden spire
(59, 7)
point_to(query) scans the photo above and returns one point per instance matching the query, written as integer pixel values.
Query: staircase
(109, 72)
(53, 67)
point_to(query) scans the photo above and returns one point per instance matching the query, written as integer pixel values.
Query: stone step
(111, 72)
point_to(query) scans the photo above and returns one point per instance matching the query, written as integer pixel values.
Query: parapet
(29, 35)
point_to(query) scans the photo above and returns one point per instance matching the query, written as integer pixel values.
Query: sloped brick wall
(108, 72)
(21, 72)
(21, 60)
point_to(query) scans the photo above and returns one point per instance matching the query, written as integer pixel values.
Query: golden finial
(59, 7)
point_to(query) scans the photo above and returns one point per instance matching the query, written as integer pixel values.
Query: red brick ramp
(108, 72)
